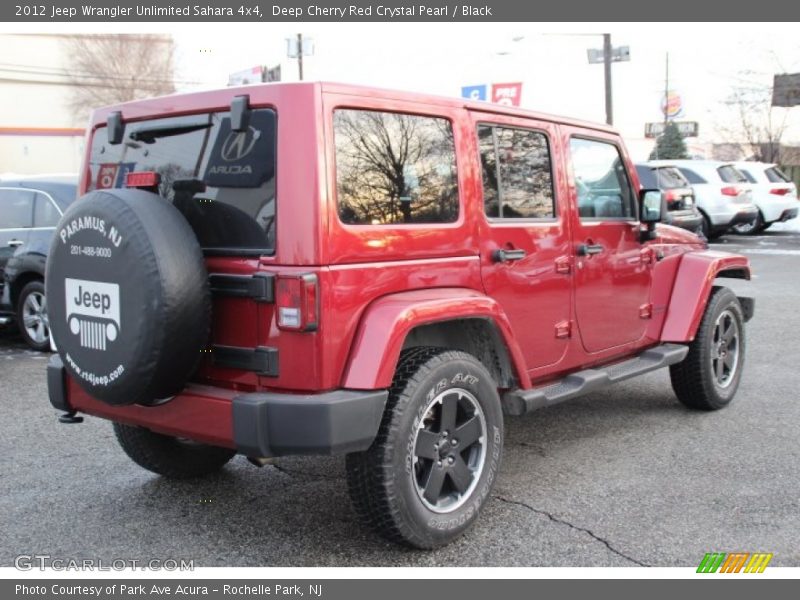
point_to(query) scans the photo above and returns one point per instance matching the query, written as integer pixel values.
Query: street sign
(786, 90)
(474, 92)
(294, 49)
(507, 94)
(686, 128)
(273, 74)
(620, 54)
(252, 75)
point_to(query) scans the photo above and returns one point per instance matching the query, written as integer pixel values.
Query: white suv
(774, 194)
(722, 193)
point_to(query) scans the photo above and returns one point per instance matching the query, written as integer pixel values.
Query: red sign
(106, 176)
(508, 94)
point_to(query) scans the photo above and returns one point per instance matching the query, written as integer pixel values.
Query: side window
(45, 213)
(603, 188)
(517, 175)
(394, 168)
(16, 209)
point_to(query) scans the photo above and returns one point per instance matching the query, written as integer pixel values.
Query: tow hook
(69, 418)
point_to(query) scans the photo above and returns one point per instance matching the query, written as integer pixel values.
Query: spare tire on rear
(127, 296)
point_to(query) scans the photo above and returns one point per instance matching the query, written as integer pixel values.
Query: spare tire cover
(127, 296)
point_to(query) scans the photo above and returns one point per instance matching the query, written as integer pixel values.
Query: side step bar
(519, 402)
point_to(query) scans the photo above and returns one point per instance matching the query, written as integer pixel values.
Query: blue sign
(474, 92)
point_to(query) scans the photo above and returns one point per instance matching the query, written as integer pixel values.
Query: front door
(525, 243)
(612, 269)
(16, 220)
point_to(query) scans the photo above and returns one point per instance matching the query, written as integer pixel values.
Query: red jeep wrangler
(325, 269)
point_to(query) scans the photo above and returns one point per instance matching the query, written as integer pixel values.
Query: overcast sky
(706, 62)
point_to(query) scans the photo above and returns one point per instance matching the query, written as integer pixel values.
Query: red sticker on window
(106, 176)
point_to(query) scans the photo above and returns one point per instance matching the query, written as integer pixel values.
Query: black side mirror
(652, 208)
(240, 113)
(115, 128)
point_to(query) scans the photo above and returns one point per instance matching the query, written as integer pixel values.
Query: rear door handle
(501, 255)
(15, 243)
(589, 249)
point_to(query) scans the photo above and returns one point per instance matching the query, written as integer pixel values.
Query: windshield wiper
(150, 135)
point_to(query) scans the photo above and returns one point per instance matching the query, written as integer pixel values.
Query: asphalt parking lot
(621, 478)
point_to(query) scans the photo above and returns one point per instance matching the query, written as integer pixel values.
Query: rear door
(525, 247)
(612, 269)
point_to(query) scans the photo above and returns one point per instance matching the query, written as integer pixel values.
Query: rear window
(775, 175)
(670, 178)
(222, 181)
(691, 176)
(730, 174)
(394, 168)
(747, 175)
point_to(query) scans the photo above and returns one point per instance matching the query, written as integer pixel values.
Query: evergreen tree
(670, 144)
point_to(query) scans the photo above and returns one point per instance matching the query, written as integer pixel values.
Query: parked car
(389, 274)
(29, 211)
(678, 195)
(722, 193)
(774, 194)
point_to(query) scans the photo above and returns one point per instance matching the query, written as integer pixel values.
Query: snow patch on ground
(792, 225)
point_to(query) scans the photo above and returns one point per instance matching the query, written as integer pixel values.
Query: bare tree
(758, 127)
(108, 69)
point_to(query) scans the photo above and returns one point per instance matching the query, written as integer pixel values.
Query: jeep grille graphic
(93, 335)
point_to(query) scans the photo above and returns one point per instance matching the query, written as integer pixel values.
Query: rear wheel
(709, 376)
(752, 228)
(436, 456)
(32, 316)
(708, 232)
(168, 456)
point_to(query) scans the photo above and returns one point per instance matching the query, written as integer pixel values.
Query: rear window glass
(747, 175)
(669, 178)
(394, 168)
(730, 174)
(646, 177)
(691, 176)
(223, 181)
(775, 175)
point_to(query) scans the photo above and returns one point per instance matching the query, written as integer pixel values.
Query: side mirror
(652, 207)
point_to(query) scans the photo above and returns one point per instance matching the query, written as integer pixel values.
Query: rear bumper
(259, 424)
(689, 221)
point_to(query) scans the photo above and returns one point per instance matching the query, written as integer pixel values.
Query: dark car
(29, 211)
(678, 195)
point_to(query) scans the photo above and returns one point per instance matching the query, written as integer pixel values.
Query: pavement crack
(560, 521)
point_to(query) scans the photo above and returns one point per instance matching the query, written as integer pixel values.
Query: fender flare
(692, 288)
(388, 320)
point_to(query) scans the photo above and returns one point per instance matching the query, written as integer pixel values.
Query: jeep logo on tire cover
(92, 311)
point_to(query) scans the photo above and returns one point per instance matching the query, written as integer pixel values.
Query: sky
(707, 61)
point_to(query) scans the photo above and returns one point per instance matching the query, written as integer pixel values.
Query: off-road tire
(694, 380)
(381, 480)
(169, 456)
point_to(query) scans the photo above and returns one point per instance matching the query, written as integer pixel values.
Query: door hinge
(563, 330)
(646, 311)
(563, 265)
(647, 256)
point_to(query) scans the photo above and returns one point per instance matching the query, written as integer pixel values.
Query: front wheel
(168, 456)
(707, 379)
(436, 456)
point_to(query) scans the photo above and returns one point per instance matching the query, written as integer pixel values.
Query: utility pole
(300, 55)
(607, 69)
